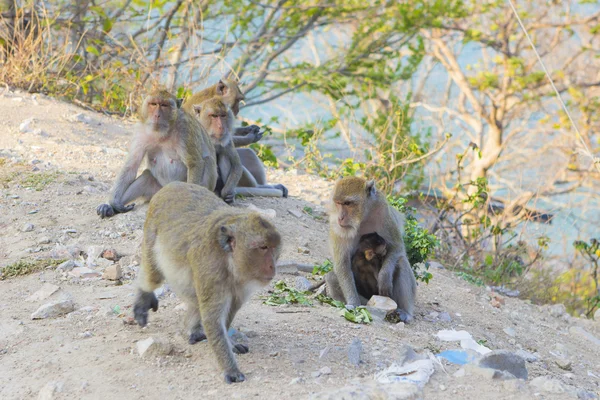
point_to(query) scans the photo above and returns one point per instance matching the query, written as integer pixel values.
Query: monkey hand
(384, 287)
(255, 133)
(120, 208)
(234, 376)
(109, 210)
(229, 197)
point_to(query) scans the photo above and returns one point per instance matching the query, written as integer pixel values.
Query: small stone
(25, 126)
(510, 331)
(295, 213)
(153, 347)
(27, 228)
(383, 303)
(52, 310)
(563, 363)
(315, 374)
(325, 371)
(79, 117)
(110, 254)
(488, 373)
(558, 310)
(48, 391)
(85, 335)
(296, 381)
(583, 394)
(68, 266)
(70, 230)
(445, 317)
(274, 354)
(527, 356)
(113, 272)
(324, 352)
(44, 240)
(302, 284)
(547, 384)
(33, 212)
(354, 352)
(582, 333)
(43, 293)
(303, 250)
(504, 360)
(84, 273)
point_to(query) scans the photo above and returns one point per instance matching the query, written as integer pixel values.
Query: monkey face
(255, 245)
(351, 196)
(159, 111)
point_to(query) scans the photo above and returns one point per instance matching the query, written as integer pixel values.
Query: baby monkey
(366, 264)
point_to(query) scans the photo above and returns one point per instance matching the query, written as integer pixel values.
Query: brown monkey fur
(214, 257)
(366, 264)
(357, 208)
(176, 148)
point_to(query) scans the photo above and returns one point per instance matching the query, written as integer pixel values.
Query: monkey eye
(264, 247)
(347, 203)
(152, 104)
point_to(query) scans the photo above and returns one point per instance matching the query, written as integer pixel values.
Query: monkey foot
(282, 188)
(197, 336)
(235, 376)
(105, 211)
(239, 348)
(403, 315)
(144, 302)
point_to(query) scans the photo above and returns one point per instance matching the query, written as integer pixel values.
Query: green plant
(283, 294)
(40, 180)
(419, 243)
(323, 268)
(358, 315)
(25, 267)
(470, 278)
(309, 211)
(591, 252)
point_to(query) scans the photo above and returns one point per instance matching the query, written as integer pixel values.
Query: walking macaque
(366, 264)
(176, 148)
(357, 209)
(213, 256)
(231, 95)
(218, 120)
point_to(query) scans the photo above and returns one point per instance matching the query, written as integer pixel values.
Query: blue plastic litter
(459, 357)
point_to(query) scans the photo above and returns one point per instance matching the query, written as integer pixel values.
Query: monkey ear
(370, 188)
(221, 88)
(226, 238)
(179, 102)
(369, 254)
(197, 108)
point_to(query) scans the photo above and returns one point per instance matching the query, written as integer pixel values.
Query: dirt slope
(54, 171)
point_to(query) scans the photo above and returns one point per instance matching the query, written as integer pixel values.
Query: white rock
(382, 303)
(295, 213)
(546, 384)
(27, 228)
(113, 272)
(25, 126)
(84, 273)
(52, 310)
(153, 347)
(68, 266)
(510, 331)
(325, 371)
(48, 391)
(558, 310)
(43, 293)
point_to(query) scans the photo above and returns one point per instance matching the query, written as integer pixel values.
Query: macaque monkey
(366, 264)
(357, 208)
(176, 148)
(218, 121)
(253, 175)
(213, 256)
(231, 95)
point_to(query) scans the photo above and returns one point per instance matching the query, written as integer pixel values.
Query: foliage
(283, 294)
(323, 268)
(38, 181)
(358, 315)
(419, 243)
(591, 252)
(25, 267)
(309, 211)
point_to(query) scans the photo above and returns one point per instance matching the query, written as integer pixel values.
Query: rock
(52, 310)
(302, 284)
(44, 240)
(297, 380)
(582, 333)
(86, 334)
(93, 252)
(303, 250)
(497, 300)
(48, 391)
(547, 384)
(504, 360)
(505, 291)
(563, 363)
(597, 315)
(510, 331)
(488, 373)
(79, 117)
(154, 347)
(84, 273)
(583, 394)
(315, 374)
(558, 310)
(408, 354)
(43, 293)
(68, 266)
(325, 371)
(113, 272)
(383, 303)
(436, 265)
(110, 254)
(445, 317)
(27, 228)
(527, 356)
(295, 213)
(354, 352)
(25, 126)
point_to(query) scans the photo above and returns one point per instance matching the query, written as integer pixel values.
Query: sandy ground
(57, 168)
